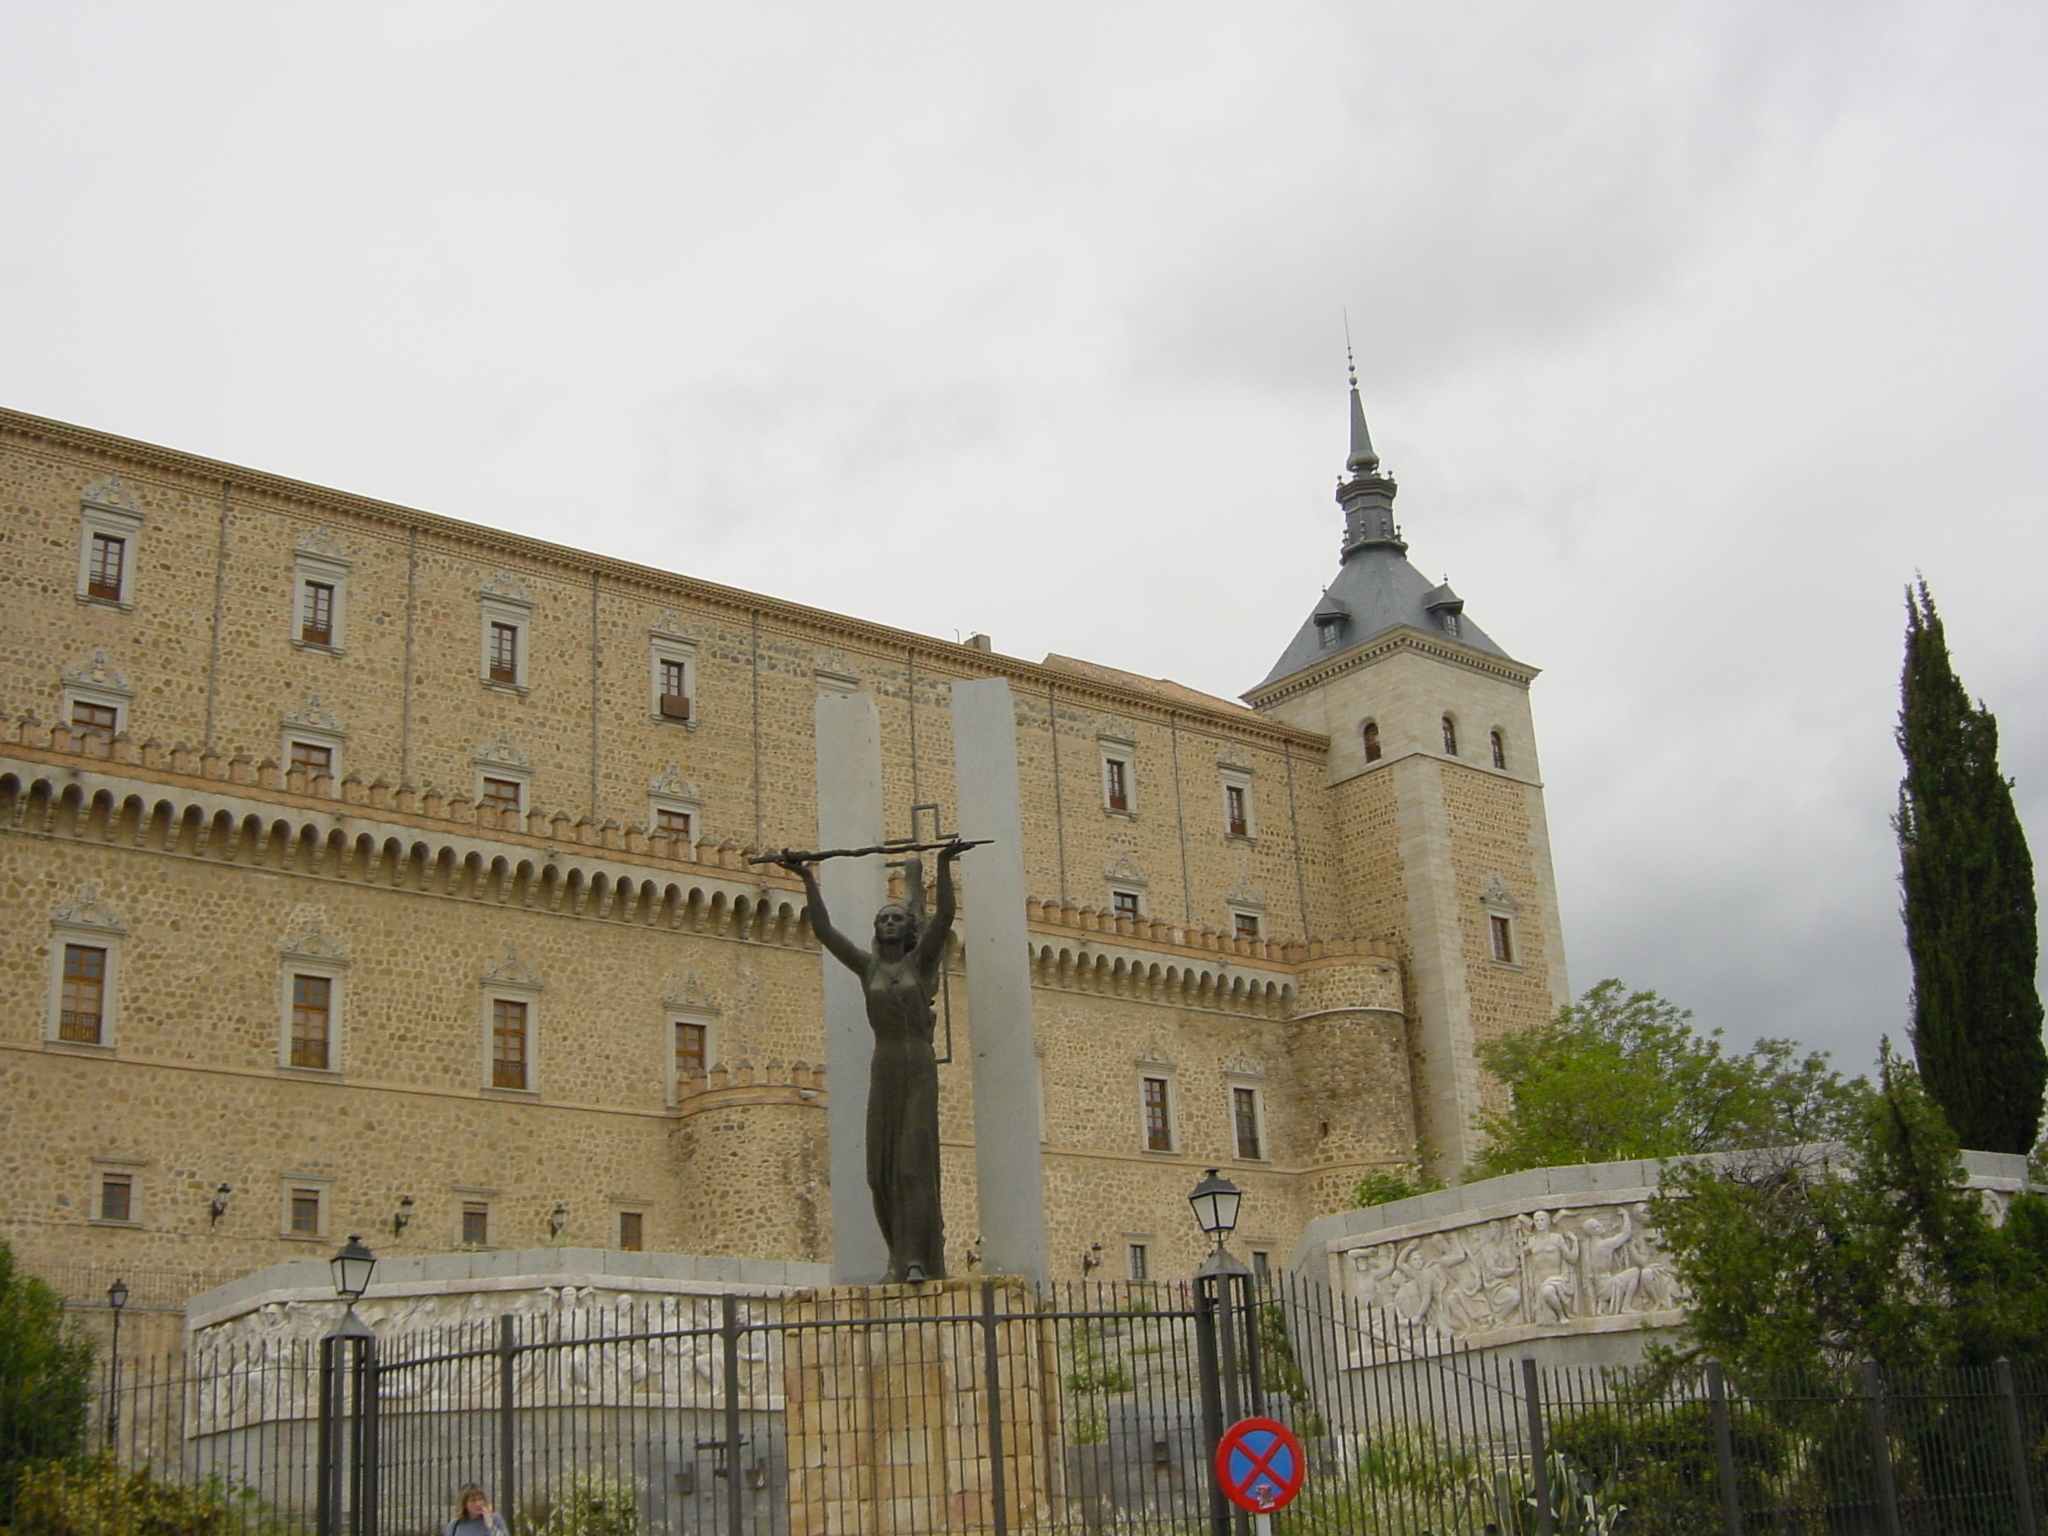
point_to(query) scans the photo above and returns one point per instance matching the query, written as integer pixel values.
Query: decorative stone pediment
(1154, 1055)
(310, 939)
(502, 754)
(670, 626)
(96, 674)
(512, 972)
(671, 785)
(112, 494)
(1233, 756)
(1245, 894)
(86, 910)
(313, 718)
(834, 671)
(506, 588)
(1115, 731)
(322, 545)
(1495, 896)
(690, 997)
(1124, 872)
(1244, 1064)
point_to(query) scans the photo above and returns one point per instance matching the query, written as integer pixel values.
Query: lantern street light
(117, 1298)
(352, 1267)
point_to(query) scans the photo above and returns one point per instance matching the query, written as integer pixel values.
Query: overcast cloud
(1691, 331)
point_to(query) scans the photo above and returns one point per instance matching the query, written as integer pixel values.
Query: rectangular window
(674, 823)
(629, 1231)
(305, 1213)
(1116, 783)
(1244, 1114)
(81, 1005)
(1503, 938)
(1262, 1266)
(100, 719)
(312, 1020)
(316, 612)
(504, 652)
(1141, 1263)
(117, 1197)
(1237, 810)
(312, 758)
(508, 1043)
(501, 794)
(1245, 925)
(1158, 1121)
(675, 690)
(691, 1040)
(476, 1224)
(1123, 903)
(105, 563)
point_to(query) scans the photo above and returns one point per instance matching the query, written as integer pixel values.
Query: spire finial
(1362, 459)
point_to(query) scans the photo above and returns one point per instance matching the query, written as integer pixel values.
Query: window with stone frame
(303, 1211)
(95, 719)
(501, 794)
(1116, 783)
(631, 1231)
(1450, 736)
(1125, 904)
(106, 567)
(82, 995)
(312, 758)
(1237, 810)
(1156, 1095)
(1502, 928)
(1244, 925)
(510, 1060)
(675, 823)
(316, 612)
(312, 1021)
(1244, 1123)
(1371, 734)
(116, 1200)
(1498, 744)
(504, 663)
(476, 1224)
(693, 1048)
(1139, 1260)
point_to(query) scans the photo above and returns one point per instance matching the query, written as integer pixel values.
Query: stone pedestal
(887, 1399)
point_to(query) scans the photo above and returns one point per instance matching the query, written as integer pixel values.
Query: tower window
(106, 560)
(501, 794)
(1158, 1119)
(674, 823)
(629, 1231)
(1140, 1261)
(1500, 749)
(1245, 925)
(312, 1021)
(1124, 904)
(1450, 736)
(508, 1043)
(692, 1048)
(312, 758)
(504, 653)
(98, 719)
(1244, 1116)
(117, 1197)
(476, 1224)
(316, 612)
(82, 1001)
(674, 686)
(1503, 938)
(1116, 783)
(305, 1213)
(1372, 741)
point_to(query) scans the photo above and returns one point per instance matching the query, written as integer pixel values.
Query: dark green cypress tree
(1969, 904)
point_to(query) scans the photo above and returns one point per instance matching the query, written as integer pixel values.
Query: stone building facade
(369, 871)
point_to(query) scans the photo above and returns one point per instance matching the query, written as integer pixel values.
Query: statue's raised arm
(931, 943)
(842, 949)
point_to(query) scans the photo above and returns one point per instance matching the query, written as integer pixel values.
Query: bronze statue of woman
(900, 978)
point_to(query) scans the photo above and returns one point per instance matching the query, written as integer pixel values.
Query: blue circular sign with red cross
(1259, 1465)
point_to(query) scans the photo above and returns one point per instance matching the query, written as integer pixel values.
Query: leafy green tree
(45, 1377)
(1968, 883)
(1876, 1248)
(1623, 1074)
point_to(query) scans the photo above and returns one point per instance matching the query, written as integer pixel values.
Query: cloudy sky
(1691, 332)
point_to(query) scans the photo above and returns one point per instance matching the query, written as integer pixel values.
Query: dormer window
(1450, 622)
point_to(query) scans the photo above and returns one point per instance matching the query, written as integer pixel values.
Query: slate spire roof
(1376, 589)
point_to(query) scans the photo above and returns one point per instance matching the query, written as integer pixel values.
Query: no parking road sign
(1259, 1465)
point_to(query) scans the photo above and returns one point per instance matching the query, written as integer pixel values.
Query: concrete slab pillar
(1008, 1117)
(849, 744)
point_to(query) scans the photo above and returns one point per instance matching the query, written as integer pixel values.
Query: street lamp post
(1223, 1294)
(348, 1403)
(117, 1298)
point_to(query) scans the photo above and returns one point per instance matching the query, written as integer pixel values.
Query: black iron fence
(995, 1407)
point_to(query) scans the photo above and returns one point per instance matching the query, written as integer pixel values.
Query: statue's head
(895, 924)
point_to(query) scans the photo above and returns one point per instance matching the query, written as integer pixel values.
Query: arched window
(1372, 741)
(1450, 736)
(1500, 750)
